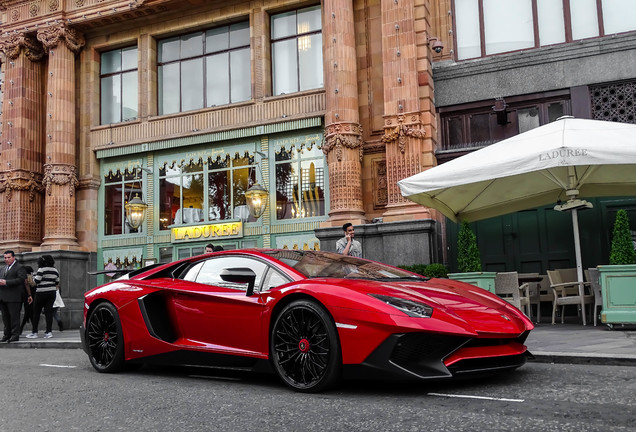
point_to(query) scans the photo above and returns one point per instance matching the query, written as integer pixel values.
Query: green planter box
(484, 280)
(618, 288)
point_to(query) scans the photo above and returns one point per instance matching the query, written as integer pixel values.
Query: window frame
(204, 56)
(567, 20)
(121, 74)
(296, 36)
(464, 112)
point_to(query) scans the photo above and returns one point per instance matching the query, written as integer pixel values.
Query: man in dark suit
(12, 279)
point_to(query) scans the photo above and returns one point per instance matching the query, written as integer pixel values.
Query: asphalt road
(57, 390)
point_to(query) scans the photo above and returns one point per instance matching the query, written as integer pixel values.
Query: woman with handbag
(47, 279)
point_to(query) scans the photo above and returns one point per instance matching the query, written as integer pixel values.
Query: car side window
(273, 279)
(212, 268)
(191, 273)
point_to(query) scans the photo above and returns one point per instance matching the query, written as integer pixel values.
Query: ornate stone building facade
(187, 104)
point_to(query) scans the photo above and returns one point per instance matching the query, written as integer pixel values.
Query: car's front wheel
(304, 347)
(104, 339)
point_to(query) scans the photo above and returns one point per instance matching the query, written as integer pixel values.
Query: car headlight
(409, 307)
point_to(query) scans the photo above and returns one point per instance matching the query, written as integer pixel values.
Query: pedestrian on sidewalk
(47, 279)
(28, 298)
(11, 287)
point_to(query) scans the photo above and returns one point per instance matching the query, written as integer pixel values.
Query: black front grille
(414, 349)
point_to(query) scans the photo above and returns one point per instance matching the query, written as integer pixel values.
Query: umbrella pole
(577, 252)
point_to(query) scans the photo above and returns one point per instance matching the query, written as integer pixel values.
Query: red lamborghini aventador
(311, 317)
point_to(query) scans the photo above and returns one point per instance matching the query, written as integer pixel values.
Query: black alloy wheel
(104, 339)
(305, 348)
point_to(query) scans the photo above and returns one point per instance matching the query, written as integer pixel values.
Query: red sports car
(312, 317)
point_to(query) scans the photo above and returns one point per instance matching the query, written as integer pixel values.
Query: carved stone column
(21, 144)
(343, 133)
(60, 173)
(408, 109)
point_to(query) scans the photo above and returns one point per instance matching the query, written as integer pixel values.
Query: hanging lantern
(135, 211)
(256, 198)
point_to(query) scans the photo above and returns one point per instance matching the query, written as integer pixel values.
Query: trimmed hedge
(622, 245)
(434, 270)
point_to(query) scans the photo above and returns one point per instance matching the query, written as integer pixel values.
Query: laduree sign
(225, 230)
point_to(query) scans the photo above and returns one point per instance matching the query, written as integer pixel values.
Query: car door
(218, 314)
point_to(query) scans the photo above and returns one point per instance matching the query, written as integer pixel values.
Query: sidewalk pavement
(559, 343)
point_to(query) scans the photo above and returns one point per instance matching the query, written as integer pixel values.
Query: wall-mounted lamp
(256, 197)
(437, 45)
(501, 109)
(136, 207)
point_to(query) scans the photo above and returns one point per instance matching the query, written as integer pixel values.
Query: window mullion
(482, 31)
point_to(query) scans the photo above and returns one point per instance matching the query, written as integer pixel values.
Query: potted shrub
(618, 279)
(469, 263)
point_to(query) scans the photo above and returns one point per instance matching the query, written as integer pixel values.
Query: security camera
(438, 46)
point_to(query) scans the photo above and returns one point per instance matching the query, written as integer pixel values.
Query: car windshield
(314, 264)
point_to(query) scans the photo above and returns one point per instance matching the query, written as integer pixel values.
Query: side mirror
(242, 275)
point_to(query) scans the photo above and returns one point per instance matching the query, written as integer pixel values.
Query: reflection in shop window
(300, 181)
(208, 191)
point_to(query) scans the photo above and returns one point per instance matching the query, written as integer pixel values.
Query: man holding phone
(347, 245)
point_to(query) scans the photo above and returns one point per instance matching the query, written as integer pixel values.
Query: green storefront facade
(195, 191)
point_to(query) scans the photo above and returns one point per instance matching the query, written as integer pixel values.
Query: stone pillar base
(406, 211)
(58, 244)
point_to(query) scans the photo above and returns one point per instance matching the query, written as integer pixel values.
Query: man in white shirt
(347, 245)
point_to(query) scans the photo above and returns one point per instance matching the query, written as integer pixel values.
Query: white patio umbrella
(567, 159)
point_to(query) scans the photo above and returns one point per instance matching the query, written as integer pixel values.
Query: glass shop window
(300, 181)
(207, 190)
(119, 188)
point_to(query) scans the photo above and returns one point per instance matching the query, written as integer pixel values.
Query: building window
(297, 50)
(486, 27)
(300, 181)
(118, 80)
(204, 69)
(207, 190)
(119, 188)
(475, 125)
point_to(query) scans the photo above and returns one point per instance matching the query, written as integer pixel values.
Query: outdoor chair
(567, 291)
(533, 292)
(593, 276)
(507, 287)
(539, 292)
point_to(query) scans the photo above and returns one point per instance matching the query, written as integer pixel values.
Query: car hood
(465, 305)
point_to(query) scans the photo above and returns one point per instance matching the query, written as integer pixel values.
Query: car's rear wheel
(104, 339)
(304, 347)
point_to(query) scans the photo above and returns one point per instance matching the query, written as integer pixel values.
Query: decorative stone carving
(51, 37)
(79, 3)
(380, 191)
(20, 181)
(60, 174)
(13, 44)
(343, 135)
(54, 5)
(401, 131)
(34, 8)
